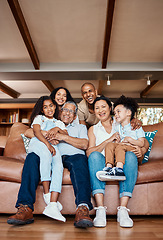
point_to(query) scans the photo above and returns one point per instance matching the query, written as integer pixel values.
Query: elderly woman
(99, 135)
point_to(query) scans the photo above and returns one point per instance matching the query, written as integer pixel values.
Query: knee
(32, 159)
(131, 161)
(94, 156)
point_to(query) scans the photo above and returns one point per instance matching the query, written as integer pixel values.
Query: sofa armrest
(1, 151)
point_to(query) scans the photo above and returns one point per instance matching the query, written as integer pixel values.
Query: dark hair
(107, 100)
(68, 95)
(37, 110)
(128, 103)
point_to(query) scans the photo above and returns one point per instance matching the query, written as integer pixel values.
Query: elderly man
(72, 149)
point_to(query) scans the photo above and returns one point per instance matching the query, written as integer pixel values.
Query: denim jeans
(77, 165)
(51, 167)
(79, 173)
(96, 162)
(30, 180)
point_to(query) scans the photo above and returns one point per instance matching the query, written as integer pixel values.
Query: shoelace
(96, 208)
(22, 208)
(112, 171)
(121, 207)
(83, 211)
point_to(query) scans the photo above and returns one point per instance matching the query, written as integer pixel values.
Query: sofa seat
(147, 195)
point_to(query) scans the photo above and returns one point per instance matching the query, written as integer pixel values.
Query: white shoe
(51, 210)
(46, 198)
(123, 217)
(100, 219)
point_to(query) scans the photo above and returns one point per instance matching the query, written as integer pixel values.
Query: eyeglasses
(68, 110)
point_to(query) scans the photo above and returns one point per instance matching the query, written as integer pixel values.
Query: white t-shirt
(42, 121)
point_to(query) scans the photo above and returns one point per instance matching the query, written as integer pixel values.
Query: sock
(83, 204)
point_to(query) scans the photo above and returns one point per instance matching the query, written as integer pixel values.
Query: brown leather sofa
(147, 196)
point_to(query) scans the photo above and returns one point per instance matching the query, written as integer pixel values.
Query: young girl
(51, 168)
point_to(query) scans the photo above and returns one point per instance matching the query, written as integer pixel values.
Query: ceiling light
(148, 81)
(108, 81)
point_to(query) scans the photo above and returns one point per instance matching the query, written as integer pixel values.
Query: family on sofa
(70, 143)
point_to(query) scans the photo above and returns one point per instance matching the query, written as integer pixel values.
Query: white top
(42, 121)
(101, 134)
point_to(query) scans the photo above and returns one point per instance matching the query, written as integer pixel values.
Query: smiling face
(122, 114)
(89, 93)
(102, 110)
(60, 97)
(48, 108)
(68, 113)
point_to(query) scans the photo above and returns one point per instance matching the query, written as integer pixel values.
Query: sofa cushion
(11, 170)
(14, 146)
(151, 171)
(149, 136)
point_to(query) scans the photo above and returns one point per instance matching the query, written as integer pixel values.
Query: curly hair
(37, 110)
(128, 103)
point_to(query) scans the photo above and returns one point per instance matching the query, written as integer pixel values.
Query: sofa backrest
(157, 146)
(14, 146)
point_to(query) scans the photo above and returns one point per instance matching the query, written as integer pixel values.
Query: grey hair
(70, 102)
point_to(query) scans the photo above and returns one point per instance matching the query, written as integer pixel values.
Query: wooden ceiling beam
(9, 91)
(100, 86)
(148, 88)
(48, 85)
(108, 28)
(21, 23)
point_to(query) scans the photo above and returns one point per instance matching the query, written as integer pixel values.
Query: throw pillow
(149, 136)
(26, 142)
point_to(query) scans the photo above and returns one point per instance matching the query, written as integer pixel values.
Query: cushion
(14, 146)
(149, 136)
(26, 142)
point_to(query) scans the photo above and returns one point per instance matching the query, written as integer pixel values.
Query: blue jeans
(96, 162)
(79, 173)
(51, 167)
(30, 180)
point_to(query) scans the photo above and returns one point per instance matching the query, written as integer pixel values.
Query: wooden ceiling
(46, 44)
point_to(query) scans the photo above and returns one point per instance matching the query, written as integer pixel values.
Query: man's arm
(81, 143)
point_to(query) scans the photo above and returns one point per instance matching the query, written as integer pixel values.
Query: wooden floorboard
(45, 228)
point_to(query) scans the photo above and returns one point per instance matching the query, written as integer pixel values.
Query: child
(51, 168)
(125, 140)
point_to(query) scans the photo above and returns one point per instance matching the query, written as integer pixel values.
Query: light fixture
(108, 81)
(148, 81)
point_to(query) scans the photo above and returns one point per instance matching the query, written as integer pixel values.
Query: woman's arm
(139, 152)
(139, 142)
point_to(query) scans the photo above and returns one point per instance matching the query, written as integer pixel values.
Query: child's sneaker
(103, 172)
(46, 198)
(115, 174)
(51, 210)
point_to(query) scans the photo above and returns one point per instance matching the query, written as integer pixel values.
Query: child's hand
(51, 149)
(116, 137)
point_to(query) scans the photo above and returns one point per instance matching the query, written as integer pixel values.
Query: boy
(125, 140)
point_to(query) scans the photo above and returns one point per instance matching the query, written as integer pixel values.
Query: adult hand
(138, 151)
(136, 123)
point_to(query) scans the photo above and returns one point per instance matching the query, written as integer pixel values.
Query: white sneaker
(123, 217)
(51, 210)
(100, 219)
(46, 198)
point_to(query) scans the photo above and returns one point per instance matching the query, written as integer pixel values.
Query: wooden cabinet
(13, 112)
